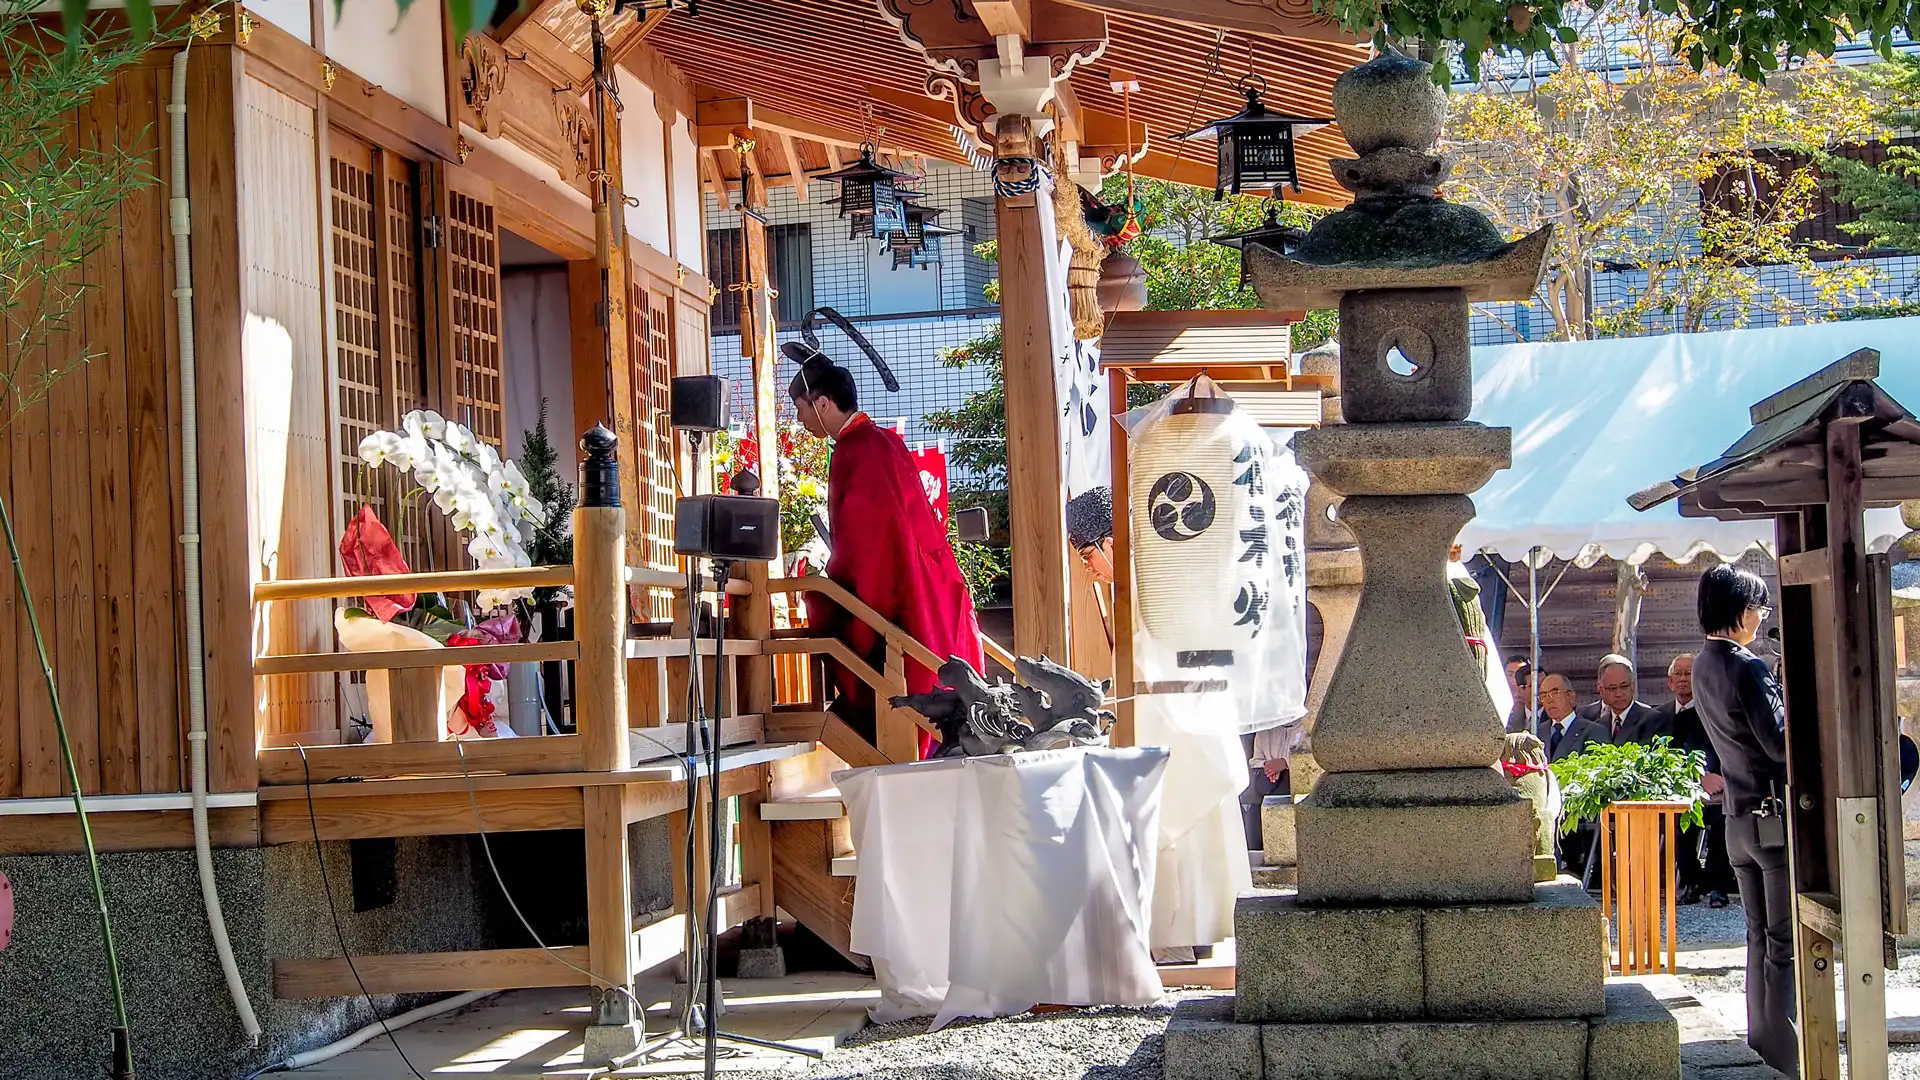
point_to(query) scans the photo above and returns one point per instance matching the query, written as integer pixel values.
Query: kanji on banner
(932, 463)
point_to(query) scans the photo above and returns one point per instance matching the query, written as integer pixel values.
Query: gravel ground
(1704, 927)
(1126, 1044)
(1094, 1044)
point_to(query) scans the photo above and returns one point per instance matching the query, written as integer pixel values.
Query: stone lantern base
(1462, 992)
(1417, 945)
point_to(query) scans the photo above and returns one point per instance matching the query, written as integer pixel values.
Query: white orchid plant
(485, 498)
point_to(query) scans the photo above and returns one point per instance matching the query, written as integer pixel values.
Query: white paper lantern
(1200, 537)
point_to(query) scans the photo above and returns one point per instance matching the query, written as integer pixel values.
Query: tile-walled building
(910, 313)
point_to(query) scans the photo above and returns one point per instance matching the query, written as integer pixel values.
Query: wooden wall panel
(153, 434)
(227, 562)
(91, 479)
(286, 371)
(9, 605)
(111, 566)
(32, 507)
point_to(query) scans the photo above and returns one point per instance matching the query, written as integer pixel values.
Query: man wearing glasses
(1619, 709)
(1564, 731)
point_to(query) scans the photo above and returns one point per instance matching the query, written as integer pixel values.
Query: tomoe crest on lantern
(1200, 525)
(1256, 145)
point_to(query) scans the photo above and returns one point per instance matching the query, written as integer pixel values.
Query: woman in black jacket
(1740, 705)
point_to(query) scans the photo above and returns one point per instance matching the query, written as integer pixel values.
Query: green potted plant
(1604, 774)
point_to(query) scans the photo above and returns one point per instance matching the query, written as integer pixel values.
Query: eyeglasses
(1765, 613)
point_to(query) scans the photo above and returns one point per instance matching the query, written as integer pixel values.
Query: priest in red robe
(888, 547)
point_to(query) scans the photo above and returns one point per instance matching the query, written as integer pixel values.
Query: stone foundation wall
(54, 1006)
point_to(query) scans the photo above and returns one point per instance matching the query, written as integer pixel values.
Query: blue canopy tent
(1596, 421)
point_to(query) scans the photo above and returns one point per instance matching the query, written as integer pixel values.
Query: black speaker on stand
(723, 529)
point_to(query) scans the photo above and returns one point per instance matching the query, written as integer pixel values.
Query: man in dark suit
(1619, 710)
(1741, 708)
(1561, 728)
(1520, 681)
(1564, 731)
(1704, 870)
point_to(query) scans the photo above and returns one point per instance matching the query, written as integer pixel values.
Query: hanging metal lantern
(1269, 233)
(1256, 146)
(870, 195)
(924, 253)
(645, 8)
(1197, 512)
(1123, 283)
(918, 219)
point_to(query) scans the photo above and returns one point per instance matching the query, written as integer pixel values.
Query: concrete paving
(539, 1032)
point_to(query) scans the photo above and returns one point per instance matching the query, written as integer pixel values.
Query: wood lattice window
(358, 386)
(379, 349)
(473, 244)
(403, 276)
(649, 329)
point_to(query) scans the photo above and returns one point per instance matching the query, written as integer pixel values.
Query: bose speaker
(727, 527)
(699, 402)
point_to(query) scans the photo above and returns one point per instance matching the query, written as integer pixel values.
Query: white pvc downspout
(181, 226)
(381, 1027)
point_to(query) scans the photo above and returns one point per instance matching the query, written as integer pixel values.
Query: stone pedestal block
(1423, 836)
(1297, 963)
(1544, 960)
(1204, 1043)
(762, 964)
(1427, 1050)
(1404, 459)
(1374, 717)
(1415, 854)
(607, 1043)
(1276, 831)
(1405, 354)
(1637, 1039)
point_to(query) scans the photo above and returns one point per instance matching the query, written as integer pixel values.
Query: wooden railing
(416, 702)
(896, 730)
(619, 683)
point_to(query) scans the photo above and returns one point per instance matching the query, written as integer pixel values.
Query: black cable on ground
(339, 932)
(500, 882)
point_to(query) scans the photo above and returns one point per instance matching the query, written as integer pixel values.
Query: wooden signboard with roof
(1819, 454)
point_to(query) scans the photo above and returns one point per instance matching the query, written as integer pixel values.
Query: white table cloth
(990, 885)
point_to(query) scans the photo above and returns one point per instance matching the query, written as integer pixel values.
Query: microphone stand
(703, 747)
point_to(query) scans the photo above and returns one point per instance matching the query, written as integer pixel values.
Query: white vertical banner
(1059, 316)
(1083, 420)
(1079, 386)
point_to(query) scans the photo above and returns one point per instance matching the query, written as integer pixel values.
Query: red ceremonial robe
(890, 551)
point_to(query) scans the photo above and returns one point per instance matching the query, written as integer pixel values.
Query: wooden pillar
(609, 904)
(757, 342)
(600, 608)
(1802, 637)
(1037, 488)
(1123, 672)
(597, 302)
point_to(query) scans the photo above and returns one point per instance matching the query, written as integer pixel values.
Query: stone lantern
(1417, 944)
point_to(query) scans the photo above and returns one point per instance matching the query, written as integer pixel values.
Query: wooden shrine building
(365, 197)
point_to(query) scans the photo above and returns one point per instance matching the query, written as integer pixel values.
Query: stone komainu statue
(1052, 707)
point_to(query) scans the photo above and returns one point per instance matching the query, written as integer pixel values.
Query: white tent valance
(1595, 421)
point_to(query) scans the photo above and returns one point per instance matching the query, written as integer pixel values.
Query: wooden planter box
(1638, 842)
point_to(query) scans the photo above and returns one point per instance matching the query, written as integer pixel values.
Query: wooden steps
(808, 808)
